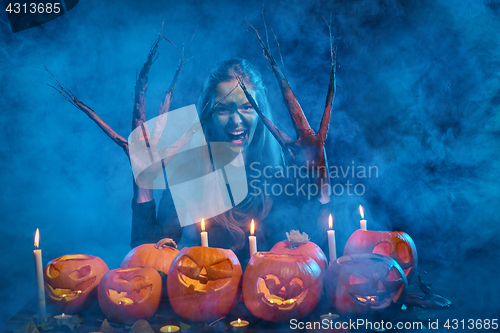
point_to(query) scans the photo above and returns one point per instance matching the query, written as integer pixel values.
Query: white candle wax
(331, 245)
(204, 234)
(42, 311)
(362, 224)
(204, 238)
(253, 245)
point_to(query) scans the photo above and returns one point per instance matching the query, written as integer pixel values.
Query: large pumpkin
(365, 283)
(129, 294)
(203, 283)
(279, 287)
(297, 243)
(395, 244)
(148, 255)
(71, 281)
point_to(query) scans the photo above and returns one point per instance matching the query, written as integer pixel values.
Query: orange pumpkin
(203, 283)
(297, 243)
(395, 244)
(148, 255)
(279, 287)
(365, 283)
(71, 281)
(128, 294)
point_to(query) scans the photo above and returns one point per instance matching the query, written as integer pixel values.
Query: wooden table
(93, 318)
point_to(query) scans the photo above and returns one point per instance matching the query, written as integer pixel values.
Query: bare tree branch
(67, 94)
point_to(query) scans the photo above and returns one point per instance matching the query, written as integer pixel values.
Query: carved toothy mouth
(280, 301)
(66, 294)
(379, 301)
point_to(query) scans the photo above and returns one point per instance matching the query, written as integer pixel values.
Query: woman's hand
(165, 242)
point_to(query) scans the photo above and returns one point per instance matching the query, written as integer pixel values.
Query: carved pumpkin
(203, 283)
(396, 244)
(365, 283)
(279, 287)
(297, 243)
(147, 255)
(128, 294)
(71, 281)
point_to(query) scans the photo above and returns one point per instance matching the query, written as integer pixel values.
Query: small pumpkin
(148, 255)
(128, 294)
(281, 286)
(395, 244)
(203, 283)
(365, 283)
(297, 243)
(71, 281)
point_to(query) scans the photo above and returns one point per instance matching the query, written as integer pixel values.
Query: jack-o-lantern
(128, 294)
(395, 244)
(203, 283)
(297, 243)
(148, 255)
(278, 287)
(365, 283)
(71, 281)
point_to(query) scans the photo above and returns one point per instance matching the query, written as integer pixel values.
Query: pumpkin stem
(297, 239)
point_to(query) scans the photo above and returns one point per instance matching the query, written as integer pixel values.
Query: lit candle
(239, 325)
(63, 319)
(331, 240)
(362, 223)
(252, 240)
(42, 312)
(329, 316)
(204, 234)
(169, 328)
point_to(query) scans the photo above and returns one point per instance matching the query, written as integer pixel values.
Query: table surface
(93, 318)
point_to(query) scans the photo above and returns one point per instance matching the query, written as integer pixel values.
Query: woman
(230, 118)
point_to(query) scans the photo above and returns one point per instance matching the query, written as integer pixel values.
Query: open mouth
(237, 136)
(67, 294)
(282, 300)
(380, 301)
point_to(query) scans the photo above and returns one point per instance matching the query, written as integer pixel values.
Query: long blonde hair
(263, 149)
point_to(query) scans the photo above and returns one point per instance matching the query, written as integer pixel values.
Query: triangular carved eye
(394, 275)
(223, 265)
(81, 272)
(52, 272)
(357, 279)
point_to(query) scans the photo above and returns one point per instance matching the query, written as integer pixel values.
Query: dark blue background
(418, 97)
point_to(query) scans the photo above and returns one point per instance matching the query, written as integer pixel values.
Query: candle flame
(169, 329)
(361, 212)
(239, 321)
(330, 221)
(37, 237)
(252, 228)
(202, 225)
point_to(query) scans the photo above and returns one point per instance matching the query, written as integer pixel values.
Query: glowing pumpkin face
(365, 283)
(203, 283)
(396, 244)
(71, 281)
(278, 287)
(128, 294)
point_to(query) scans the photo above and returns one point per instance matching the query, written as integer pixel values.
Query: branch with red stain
(309, 146)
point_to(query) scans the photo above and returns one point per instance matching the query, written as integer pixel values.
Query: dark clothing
(287, 213)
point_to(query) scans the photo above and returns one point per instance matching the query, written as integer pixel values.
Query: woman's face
(235, 119)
